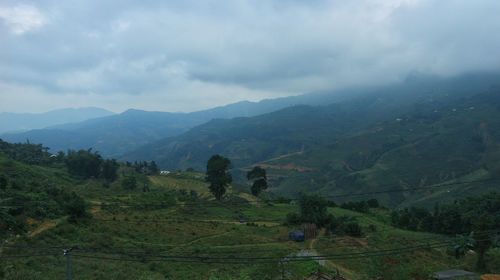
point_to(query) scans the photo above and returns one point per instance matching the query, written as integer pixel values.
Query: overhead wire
(213, 203)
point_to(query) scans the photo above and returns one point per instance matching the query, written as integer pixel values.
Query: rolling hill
(423, 132)
(121, 133)
(167, 233)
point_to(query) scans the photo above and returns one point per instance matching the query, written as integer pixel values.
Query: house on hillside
(297, 235)
(455, 274)
(164, 172)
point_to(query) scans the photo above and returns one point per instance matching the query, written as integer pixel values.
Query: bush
(346, 225)
(3, 182)
(76, 208)
(129, 182)
(373, 203)
(292, 219)
(353, 229)
(358, 206)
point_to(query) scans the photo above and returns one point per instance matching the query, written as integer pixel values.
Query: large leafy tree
(313, 209)
(84, 163)
(258, 175)
(110, 170)
(218, 175)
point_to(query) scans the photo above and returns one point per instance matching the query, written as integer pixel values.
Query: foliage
(84, 163)
(258, 175)
(87, 164)
(129, 182)
(312, 209)
(145, 167)
(217, 175)
(25, 152)
(110, 170)
(361, 206)
(345, 225)
(76, 207)
(413, 138)
(3, 182)
(479, 215)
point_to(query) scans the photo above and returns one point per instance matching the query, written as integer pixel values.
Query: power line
(257, 260)
(147, 253)
(226, 203)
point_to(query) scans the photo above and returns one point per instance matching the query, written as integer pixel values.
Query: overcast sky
(188, 55)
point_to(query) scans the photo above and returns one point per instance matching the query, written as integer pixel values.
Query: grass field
(167, 234)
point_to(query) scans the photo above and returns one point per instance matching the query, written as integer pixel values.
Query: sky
(189, 55)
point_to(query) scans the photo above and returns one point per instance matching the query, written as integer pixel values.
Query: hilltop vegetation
(175, 229)
(403, 137)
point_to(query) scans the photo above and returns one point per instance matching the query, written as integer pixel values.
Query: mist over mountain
(12, 122)
(424, 131)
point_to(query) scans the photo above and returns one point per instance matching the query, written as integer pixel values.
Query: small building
(164, 172)
(297, 235)
(456, 274)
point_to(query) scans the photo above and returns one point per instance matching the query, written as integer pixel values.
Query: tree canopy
(218, 175)
(259, 177)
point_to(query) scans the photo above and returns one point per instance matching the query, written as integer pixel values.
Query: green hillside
(417, 134)
(172, 228)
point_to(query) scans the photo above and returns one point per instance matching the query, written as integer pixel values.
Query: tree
(84, 163)
(257, 174)
(313, 209)
(218, 175)
(153, 168)
(129, 183)
(76, 207)
(482, 238)
(3, 182)
(110, 170)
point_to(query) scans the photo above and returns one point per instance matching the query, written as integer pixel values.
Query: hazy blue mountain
(12, 122)
(121, 133)
(424, 131)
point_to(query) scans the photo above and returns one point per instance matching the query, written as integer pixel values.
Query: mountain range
(421, 132)
(17, 122)
(117, 134)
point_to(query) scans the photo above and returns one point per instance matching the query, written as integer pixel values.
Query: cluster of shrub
(27, 153)
(87, 164)
(458, 217)
(144, 167)
(83, 163)
(313, 209)
(26, 191)
(25, 195)
(477, 215)
(361, 206)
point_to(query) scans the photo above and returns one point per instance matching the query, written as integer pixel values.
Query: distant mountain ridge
(422, 132)
(12, 122)
(118, 134)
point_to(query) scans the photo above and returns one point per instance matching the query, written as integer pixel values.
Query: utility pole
(69, 271)
(282, 270)
(282, 264)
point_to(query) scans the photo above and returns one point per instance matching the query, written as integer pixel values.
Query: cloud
(22, 18)
(191, 55)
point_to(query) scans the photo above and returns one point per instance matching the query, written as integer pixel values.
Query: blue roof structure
(297, 235)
